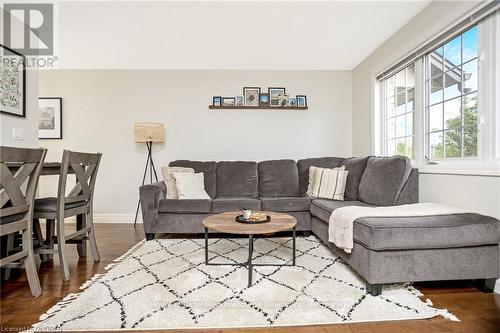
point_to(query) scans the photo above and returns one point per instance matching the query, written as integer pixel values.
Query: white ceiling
(334, 35)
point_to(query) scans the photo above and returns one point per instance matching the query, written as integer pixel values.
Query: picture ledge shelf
(258, 107)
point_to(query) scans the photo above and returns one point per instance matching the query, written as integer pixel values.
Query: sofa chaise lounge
(386, 250)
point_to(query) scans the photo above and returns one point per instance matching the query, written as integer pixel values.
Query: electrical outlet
(18, 134)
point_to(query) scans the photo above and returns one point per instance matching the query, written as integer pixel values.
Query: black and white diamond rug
(166, 284)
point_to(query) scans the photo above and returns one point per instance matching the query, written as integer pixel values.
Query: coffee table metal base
(249, 263)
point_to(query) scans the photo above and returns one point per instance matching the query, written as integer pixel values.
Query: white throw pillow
(190, 185)
(327, 183)
(169, 180)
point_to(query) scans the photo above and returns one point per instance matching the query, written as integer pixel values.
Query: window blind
(472, 18)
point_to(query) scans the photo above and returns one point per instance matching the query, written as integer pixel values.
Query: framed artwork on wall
(301, 101)
(50, 118)
(13, 83)
(251, 96)
(216, 101)
(274, 94)
(228, 101)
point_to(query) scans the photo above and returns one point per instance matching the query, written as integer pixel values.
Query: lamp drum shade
(149, 132)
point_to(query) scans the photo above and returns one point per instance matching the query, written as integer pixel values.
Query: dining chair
(78, 202)
(17, 194)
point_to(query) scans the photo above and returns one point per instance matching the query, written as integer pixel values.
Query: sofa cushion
(323, 208)
(286, 204)
(237, 179)
(184, 206)
(383, 180)
(221, 205)
(356, 167)
(426, 232)
(208, 169)
(320, 162)
(278, 178)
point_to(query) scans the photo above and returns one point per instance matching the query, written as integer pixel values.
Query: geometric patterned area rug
(165, 284)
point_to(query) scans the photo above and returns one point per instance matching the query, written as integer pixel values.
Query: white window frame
(488, 160)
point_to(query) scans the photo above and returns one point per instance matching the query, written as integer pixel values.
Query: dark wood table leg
(206, 246)
(81, 247)
(250, 254)
(294, 245)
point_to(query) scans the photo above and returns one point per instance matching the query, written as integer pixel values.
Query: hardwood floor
(478, 312)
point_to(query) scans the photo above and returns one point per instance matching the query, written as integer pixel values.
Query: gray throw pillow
(356, 167)
(383, 180)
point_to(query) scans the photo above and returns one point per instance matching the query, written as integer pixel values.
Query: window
(399, 110)
(452, 98)
(440, 104)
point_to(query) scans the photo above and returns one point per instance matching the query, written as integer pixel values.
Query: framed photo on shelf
(240, 101)
(264, 99)
(217, 101)
(228, 101)
(50, 118)
(292, 102)
(301, 101)
(274, 94)
(251, 96)
(13, 94)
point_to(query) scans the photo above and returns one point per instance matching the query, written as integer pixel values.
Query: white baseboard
(116, 218)
(497, 287)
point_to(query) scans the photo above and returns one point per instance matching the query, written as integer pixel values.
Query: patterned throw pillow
(169, 180)
(190, 185)
(327, 183)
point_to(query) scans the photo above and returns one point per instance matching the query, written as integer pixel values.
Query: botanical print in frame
(50, 118)
(274, 94)
(13, 82)
(251, 96)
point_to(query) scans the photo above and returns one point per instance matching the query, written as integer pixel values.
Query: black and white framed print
(13, 83)
(50, 118)
(274, 94)
(301, 101)
(251, 96)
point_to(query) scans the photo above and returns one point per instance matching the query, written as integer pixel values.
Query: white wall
(100, 108)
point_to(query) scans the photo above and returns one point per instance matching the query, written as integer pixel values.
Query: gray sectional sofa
(386, 250)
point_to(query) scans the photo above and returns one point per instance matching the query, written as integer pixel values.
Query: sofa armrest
(150, 196)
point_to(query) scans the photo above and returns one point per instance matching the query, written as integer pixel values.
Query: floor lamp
(148, 133)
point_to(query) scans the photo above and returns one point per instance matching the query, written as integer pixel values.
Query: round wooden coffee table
(225, 223)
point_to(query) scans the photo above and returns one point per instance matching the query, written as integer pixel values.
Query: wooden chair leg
(37, 232)
(49, 236)
(9, 247)
(29, 265)
(80, 224)
(61, 249)
(93, 244)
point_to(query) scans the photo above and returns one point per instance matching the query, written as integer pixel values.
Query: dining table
(48, 168)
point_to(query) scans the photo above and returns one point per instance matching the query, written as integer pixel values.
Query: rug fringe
(59, 306)
(447, 315)
(125, 255)
(414, 291)
(70, 297)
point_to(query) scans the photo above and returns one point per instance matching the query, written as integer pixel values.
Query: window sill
(462, 170)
